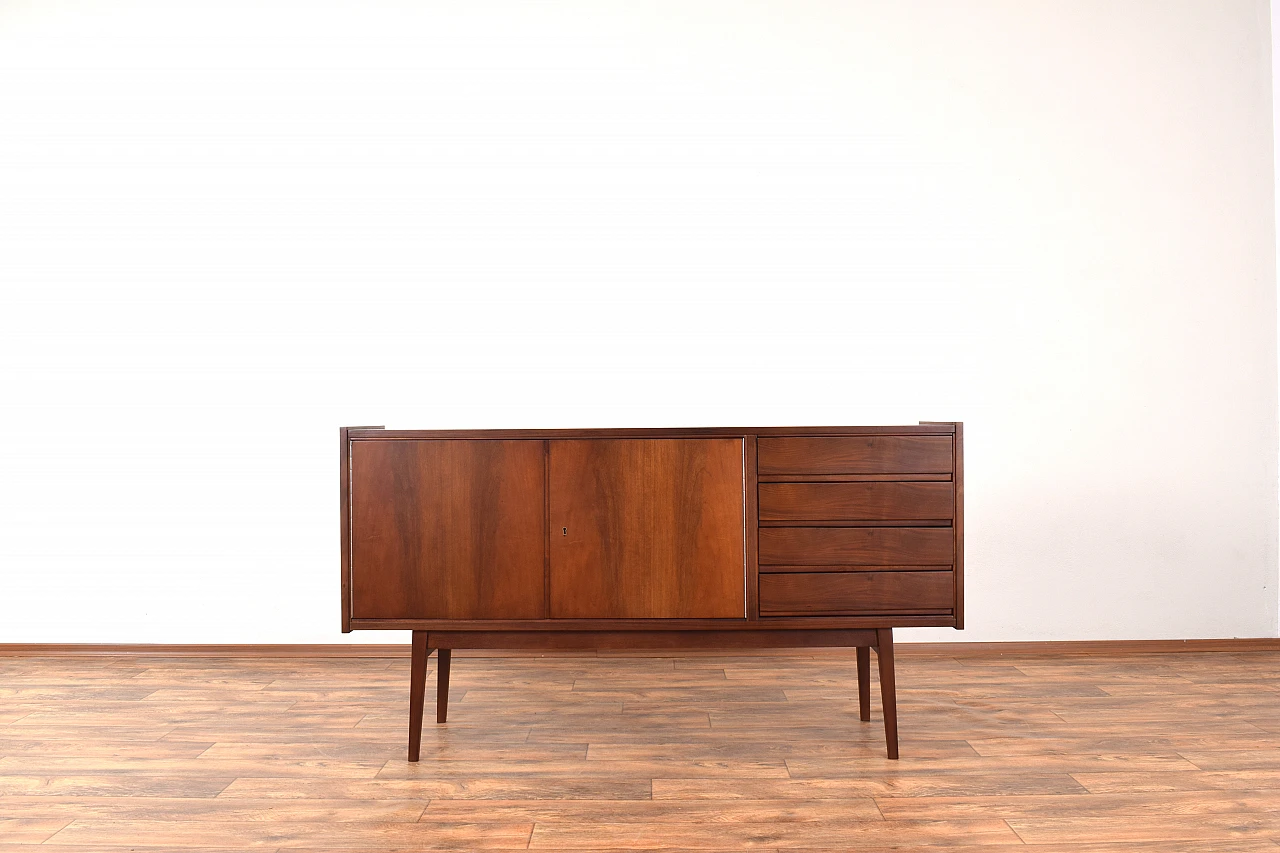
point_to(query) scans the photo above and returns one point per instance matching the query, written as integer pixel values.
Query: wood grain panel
(860, 454)
(555, 626)
(864, 501)
(856, 593)
(647, 528)
(958, 524)
(751, 489)
(700, 638)
(868, 546)
(447, 529)
(846, 567)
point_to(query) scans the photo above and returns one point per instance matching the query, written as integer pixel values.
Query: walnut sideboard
(654, 538)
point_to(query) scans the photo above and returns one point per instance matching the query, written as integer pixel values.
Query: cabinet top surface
(379, 433)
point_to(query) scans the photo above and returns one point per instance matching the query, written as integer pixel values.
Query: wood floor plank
(110, 785)
(214, 809)
(1131, 782)
(116, 734)
(856, 834)
(110, 749)
(1239, 802)
(60, 847)
(467, 750)
(646, 769)
(274, 836)
(805, 767)
(1235, 846)
(926, 785)
(1258, 758)
(511, 787)
(1132, 847)
(1180, 742)
(584, 812)
(30, 830)
(677, 747)
(1172, 829)
(28, 765)
(350, 737)
(133, 716)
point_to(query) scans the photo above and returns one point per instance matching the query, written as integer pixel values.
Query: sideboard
(653, 538)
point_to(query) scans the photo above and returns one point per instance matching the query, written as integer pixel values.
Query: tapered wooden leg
(864, 683)
(442, 685)
(888, 691)
(417, 690)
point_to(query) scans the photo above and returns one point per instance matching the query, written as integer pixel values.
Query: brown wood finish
(757, 637)
(417, 689)
(848, 454)
(344, 517)
(888, 688)
(344, 524)
(776, 569)
(647, 529)
(838, 593)
(447, 529)
(546, 528)
(855, 522)
(867, 546)
(638, 539)
(958, 523)
(857, 501)
(855, 478)
(864, 683)
(442, 684)
(751, 531)
(715, 752)
(665, 625)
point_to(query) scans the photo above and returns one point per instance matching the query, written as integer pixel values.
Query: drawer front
(855, 454)
(856, 501)
(856, 546)
(857, 593)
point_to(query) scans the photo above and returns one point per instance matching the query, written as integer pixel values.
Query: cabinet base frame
(424, 642)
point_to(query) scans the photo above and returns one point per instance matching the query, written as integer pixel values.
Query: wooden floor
(1176, 752)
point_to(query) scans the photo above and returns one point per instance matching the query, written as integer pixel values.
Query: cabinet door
(647, 528)
(447, 529)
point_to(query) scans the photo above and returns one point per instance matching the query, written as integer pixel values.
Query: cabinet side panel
(344, 521)
(959, 525)
(647, 528)
(449, 529)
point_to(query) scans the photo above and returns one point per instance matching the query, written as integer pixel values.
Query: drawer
(855, 454)
(856, 546)
(856, 593)
(856, 501)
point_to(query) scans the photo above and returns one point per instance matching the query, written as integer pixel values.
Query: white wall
(1275, 163)
(228, 229)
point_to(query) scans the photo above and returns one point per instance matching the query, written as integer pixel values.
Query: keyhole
(564, 531)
